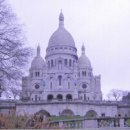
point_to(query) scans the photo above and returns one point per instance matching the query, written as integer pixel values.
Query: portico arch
(68, 97)
(91, 114)
(42, 113)
(67, 112)
(49, 97)
(59, 97)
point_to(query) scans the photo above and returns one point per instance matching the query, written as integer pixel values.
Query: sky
(102, 25)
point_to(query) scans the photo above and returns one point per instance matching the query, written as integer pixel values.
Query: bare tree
(13, 50)
(16, 92)
(116, 94)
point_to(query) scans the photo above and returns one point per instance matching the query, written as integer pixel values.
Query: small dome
(38, 62)
(83, 61)
(61, 36)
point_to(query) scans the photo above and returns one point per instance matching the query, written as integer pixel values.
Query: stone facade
(62, 76)
(64, 83)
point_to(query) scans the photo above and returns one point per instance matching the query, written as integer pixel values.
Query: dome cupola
(38, 62)
(61, 36)
(61, 41)
(83, 60)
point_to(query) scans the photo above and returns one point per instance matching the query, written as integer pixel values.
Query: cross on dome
(83, 49)
(38, 50)
(61, 19)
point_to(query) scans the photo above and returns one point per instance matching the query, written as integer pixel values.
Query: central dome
(61, 36)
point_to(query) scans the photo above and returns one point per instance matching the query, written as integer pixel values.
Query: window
(65, 61)
(119, 115)
(35, 97)
(37, 86)
(49, 97)
(89, 74)
(60, 77)
(73, 62)
(59, 97)
(32, 74)
(68, 85)
(79, 74)
(84, 96)
(68, 97)
(84, 73)
(37, 74)
(52, 64)
(51, 85)
(84, 86)
(60, 64)
(48, 64)
(70, 62)
(103, 114)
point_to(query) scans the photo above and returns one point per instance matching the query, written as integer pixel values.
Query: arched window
(59, 97)
(84, 73)
(84, 86)
(70, 62)
(38, 74)
(37, 86)
(51, 85)
(84, 96)
(91, 114)
(68, 85)
(67, 112)
(35, 97)
(32, 74)
(48, 64)
(89, 74)
(68, 97)
(49, 97)
(79, 74)
(60, 78)
(60, 64)
(42, 113)
(65, 62)
(52, 64)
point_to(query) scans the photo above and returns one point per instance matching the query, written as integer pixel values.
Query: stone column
(121, 121)
(60, 124)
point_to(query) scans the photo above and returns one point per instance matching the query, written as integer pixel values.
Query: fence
(105, 122)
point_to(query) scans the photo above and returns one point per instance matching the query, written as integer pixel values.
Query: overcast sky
(103, 26)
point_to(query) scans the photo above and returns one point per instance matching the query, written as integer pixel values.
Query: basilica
(63, 84)
(63, 75)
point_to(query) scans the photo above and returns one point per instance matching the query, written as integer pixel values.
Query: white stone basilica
(64, 84)
(62, 76)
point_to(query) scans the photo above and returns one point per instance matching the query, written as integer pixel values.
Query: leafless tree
(16, 92)
(14, 52)
(116, 94)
